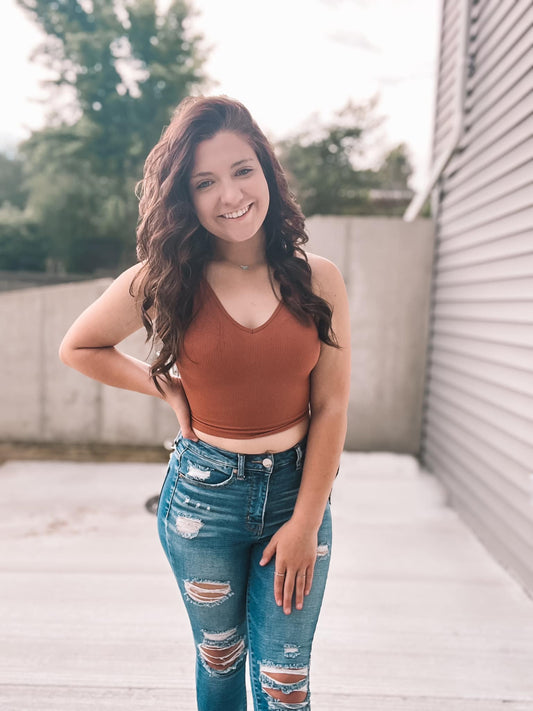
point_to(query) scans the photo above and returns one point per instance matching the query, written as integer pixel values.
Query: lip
(236, 219)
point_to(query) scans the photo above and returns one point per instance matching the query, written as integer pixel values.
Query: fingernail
(298, 606)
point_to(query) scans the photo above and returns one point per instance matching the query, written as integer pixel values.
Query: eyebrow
(233, 165)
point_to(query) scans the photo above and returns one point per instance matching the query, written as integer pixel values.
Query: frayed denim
(217, 512)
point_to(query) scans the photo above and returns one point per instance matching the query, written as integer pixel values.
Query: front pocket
(201, 472)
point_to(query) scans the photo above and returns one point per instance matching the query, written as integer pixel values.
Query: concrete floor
(417, 616)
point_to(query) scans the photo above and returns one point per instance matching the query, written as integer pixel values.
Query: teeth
(239, 213)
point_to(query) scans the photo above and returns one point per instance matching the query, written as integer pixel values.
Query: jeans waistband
(260, 462)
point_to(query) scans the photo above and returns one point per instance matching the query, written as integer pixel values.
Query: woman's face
(228, 187)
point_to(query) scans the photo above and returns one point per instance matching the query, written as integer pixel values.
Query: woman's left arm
(295, 543)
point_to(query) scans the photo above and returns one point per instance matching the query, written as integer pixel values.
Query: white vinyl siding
(448, 76)
(478, 413)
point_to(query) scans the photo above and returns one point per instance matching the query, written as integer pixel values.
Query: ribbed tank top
(242, 382)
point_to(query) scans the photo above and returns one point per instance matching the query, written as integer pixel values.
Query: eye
(244, 171)
(204, 184)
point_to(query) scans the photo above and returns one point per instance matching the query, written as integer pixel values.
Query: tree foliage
(125, 68)
(118, 69)
(21, 245)
(322, 163)
(395, 169)
(12, 191)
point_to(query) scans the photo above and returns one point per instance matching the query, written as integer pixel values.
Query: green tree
(125, 68)
(395, 170)
(21, 245)
(12, 190)
(322, 161)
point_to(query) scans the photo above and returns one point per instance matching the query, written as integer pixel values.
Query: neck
(250, 253)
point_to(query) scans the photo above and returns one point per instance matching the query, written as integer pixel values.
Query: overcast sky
(284, 59)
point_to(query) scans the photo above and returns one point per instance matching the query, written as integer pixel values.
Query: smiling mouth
(238, 213)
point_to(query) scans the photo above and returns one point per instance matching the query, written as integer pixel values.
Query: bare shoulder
(327, 279)
(128, 287)
(131, 279)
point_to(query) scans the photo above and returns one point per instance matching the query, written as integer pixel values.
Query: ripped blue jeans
(217, 512)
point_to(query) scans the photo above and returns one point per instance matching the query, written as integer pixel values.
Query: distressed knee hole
(209, 592)
(219, 636)
(221, 657)
(221, 651)
(286, 684)
(188, 526)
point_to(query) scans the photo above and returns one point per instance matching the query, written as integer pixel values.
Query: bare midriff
(272, 443)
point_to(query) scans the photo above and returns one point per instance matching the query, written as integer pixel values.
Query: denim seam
(173, 492)
(254, 678)
(181, 443)
(209, 460)
(158, 510)
(203, 485)
(249, 522)
(265, 502)
(171, 560)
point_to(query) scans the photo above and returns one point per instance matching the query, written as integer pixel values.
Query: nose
(230, 194)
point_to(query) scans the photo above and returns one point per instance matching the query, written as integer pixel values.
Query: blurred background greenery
(67, 200)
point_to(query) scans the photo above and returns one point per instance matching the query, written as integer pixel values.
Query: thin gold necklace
(244, 267)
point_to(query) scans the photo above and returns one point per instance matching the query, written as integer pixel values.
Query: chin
(236, 239)
(236, 235)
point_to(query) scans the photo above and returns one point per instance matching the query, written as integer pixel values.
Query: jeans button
(267, 462)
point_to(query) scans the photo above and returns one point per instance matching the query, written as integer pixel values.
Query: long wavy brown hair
(175, 247)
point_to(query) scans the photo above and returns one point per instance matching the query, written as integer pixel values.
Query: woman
(259, 332)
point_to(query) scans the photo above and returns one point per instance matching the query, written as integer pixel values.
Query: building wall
(478, 412)
(386, 264)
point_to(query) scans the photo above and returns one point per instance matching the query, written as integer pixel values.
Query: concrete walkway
(417, 616)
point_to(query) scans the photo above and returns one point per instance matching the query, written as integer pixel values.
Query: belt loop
(299, 453)
(240, 465)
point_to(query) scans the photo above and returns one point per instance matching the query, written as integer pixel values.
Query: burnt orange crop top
(242, 382)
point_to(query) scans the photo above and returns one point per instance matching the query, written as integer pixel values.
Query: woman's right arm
(89, 346)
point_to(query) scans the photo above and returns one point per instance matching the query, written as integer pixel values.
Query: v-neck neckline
(230, 317)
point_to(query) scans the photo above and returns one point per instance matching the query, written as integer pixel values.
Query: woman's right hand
(176, 398)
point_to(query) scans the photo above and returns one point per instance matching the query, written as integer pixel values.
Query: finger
(188, 433)
(267, 554)
(184, 421)
(309, 579)
(288, 590)
(279, 581)
(299, 589)
(183, 414)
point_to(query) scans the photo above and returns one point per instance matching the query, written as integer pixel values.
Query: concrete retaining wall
(387, 266)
